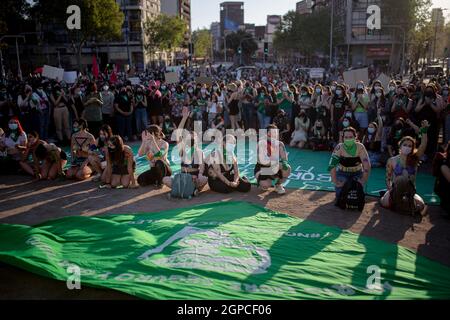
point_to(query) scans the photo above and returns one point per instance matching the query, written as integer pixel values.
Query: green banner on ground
(226, 250)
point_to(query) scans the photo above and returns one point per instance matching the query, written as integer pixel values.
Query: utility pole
(331, 33)
(19, 70)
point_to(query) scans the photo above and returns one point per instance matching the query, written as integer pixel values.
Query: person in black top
(339, 103)
(372, 142)
(124, 109)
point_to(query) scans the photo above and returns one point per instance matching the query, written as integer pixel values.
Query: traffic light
(239, 50)
(266, 48)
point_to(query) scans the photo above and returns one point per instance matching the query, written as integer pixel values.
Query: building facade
(304, 7)
(273, 23)
(231, 16)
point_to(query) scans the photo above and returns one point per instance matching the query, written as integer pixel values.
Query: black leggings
(155, 175)
(217, 185)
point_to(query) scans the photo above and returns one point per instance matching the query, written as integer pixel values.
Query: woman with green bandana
(349, 161)
(156, 149)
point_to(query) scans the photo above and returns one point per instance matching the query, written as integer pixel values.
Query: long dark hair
(119, 154)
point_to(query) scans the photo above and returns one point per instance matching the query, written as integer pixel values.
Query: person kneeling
(156, 150)
(223, 171)
(272, 165)
(120, 165)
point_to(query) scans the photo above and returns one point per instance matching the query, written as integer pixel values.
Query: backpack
(352, 196)
(183, 186)
(402, 196)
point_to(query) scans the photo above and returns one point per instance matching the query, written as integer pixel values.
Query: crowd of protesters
(367, 125)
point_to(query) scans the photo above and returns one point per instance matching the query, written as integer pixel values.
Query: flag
(113, 77)
(95, 71)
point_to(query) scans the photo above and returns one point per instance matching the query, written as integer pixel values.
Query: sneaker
(280, 189)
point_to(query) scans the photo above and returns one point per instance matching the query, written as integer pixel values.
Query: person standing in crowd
(248, 106)
(141, 105)
(156, 149)
(339, 104)
(23, 103)
(223, 170)
(272, 165)
(264, 101)
(349, 160)
(213, 109)
(192, 160)
(360, 105)
(44, 111)
(155, 106)
(402, 105)
(97, 153)
(300, 134)
(404, 166)
(93, 109)
(165, 98)
(76, 103)
(120, 165)
(372, 141)
(81, 144)
(107, 96)
(429, 108)
(285, 100)
(178, 101)
(123, 108)
(233, 105)
(61, 114)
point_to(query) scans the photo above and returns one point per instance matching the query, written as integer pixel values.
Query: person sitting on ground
(349, 161)
(272, 165)
(120, 165)
(32, 166)
(223, 170)
(53, 161)
(168, 127)
(300, 134)
(404, 166)
(97, 154)
(15, 143)
(318, 140)
(155, 148)
(80, 145)
(192, 160)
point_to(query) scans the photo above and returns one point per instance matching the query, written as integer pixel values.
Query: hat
(232, 87)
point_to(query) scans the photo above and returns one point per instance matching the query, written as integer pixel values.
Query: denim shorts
(342, 176)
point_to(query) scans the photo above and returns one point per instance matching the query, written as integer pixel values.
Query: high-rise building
(273, 23)
(360, 46)
(304, 7)
(215, 31)
(439, 43)
(231, 16)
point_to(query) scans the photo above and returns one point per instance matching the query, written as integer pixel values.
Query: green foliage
(164, 33)
(235, 39)
(202, 42)
(13, 14)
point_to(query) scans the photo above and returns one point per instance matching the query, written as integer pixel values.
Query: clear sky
(255, 11)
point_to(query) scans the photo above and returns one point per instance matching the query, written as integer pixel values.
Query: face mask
(173, 89)
(391, 88)
(270, 89)
(360, 87)
(345, 124)
(215, 88)
(76, 129)
(349, 142)
(102, 138)
(406, 150)
(318, 91)
(371, 130)
(333, 88)
(377, 88)
(338, 92)
(348, 115)
(13, 126)
(285, 88)
(190, 90)
(378, 94)
(163, 88)
(105, 88)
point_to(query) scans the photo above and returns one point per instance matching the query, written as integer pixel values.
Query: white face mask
(391, 88)
(338, 92)
(285, 88)
(318, 91)
(173, 89)
(345, 124)
(378, 94)
(190, 90)
(405, 150)
(105, 88)
(348, 115)
(270, 89)
(371, 130)
(215, 88)
(13, 126)
(333, 88)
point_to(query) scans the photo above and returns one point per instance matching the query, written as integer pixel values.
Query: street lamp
(19, 70)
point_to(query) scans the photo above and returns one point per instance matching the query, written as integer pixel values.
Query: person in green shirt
(285, 99)
(264, 101)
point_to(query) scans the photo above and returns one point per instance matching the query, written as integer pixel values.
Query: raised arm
(424, 140)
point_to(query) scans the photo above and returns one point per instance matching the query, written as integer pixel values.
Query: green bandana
(350, 147)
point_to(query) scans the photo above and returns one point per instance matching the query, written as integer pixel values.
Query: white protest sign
(384, 79)
(53, 72)
(70, 77)
(135, 80)
(172, 77)
(352, 77)
(316, 73)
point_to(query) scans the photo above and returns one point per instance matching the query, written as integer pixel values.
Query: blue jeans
(44, 121)
(124, 125)
(264, 120)
(342, 176)
(141, 120)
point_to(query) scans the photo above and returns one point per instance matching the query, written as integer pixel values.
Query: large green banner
(225, 250)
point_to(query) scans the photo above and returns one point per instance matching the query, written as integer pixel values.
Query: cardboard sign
(204, 80)
(53, 72)
(384, 79)
(172, 77)
(70, 77)
(316, 73)
(352, 77)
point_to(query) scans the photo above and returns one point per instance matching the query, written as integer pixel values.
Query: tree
(236, 39)
(164, 33)
(202, 40)
(13, 16)
(101, 20)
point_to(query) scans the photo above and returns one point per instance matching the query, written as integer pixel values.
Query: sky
(255, 11)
